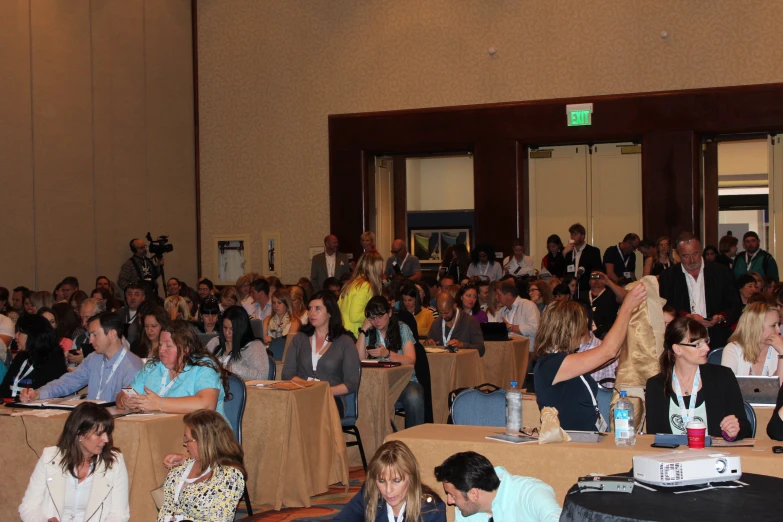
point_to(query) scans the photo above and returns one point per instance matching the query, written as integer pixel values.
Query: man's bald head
(398, 248)
(446, 305)
(331, 244)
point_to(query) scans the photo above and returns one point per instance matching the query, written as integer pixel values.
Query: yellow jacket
(352, 305)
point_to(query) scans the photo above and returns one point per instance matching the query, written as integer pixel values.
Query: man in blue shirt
(480, 492)
(105, 371)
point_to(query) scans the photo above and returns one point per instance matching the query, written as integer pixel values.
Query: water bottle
(513, 410)
(624, 432)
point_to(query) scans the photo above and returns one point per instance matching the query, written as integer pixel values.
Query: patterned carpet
(324, 507)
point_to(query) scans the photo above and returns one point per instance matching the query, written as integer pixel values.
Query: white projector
(686, 467)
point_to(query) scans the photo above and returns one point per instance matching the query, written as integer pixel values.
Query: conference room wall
(271, 72)
(97, 140)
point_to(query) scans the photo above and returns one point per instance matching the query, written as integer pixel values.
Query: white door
(382, 216)
(616, 180)
(776, 196)
(558, 194)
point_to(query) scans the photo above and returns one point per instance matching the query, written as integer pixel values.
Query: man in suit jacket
(703, 291)
(579, 255)
(330, 263)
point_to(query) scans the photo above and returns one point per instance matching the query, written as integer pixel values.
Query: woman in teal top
(182, 377)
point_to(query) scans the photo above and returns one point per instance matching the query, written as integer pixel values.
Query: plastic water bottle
(513, 410)
(624, 432)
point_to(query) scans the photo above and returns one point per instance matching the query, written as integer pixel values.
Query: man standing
(581, 259)
(604, 305)
(260, 307)
(520, 315)
(702, 291)
(105, 371)
(134, 296)
(453, 328)
(518, 264)
(480, 492)
(139, 267)
(402, 262)
(620, 259)
(754, 259)
(329, 263)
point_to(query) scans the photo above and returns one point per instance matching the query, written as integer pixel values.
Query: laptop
(494, 331)
(206, 337)
(759, 391)
(258, 328)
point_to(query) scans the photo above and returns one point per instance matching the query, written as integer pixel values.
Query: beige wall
(270, 73)
(444, 183)
(97, 137)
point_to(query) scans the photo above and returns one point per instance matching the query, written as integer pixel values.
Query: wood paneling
(710, 184)
(400, 200)
(669, 125)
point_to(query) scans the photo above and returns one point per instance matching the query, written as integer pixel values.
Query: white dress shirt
(330, 264)
(526, 266)
(696, 291)
(525, 315)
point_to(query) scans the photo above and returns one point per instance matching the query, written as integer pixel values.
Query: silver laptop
(759, 391)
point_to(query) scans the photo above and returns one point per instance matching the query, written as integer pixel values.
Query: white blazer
(45, 495)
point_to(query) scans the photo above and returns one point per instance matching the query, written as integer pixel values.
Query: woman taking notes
(322, 350)
(208, 481)
(83, 477)
(182, 377)
(755, 347)
(689, 389)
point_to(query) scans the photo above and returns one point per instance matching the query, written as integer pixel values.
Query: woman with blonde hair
(665, 256)
(540, 293)
(207, 483)
(177, 307)
(229, 296)
(282, 320)
(755, 346)
(38, 300)
(563, 377)
(298, 300)
(364, 284)
(367, 239)
(243, 288)
(394, 485)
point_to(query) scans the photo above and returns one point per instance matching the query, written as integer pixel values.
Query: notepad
(434, 349)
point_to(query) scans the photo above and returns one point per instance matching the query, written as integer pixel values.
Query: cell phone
(73, 352)
(664, 446)
(777, 449)
(595, 276)
(129, 391)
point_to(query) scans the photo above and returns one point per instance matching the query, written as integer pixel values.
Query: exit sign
(580, 114)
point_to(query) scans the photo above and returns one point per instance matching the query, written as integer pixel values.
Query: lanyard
(20, 376)
(765, 372)
(453, 327)
(380, 338)
(600, 424)
(688, 414)
(486, 269)
(590, 295)
(184, 479)
(390, 513)
(625, 261)
(101, 384)
(165, 389)
(749, 261)
(403, 262)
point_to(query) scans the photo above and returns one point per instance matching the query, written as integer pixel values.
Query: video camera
(159, 246)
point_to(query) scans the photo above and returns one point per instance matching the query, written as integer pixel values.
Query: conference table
(506, 361)
(559, 465)
(143, 439)
(449, 371)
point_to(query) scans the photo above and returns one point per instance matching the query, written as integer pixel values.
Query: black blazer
(43, 373)
(720, 292)
(590, 260)
(775, 426)
(720, 391)
(432, 509)
(422, 365)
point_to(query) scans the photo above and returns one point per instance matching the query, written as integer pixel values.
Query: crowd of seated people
(142, 350)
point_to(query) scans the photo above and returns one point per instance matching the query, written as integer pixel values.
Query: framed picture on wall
(232, 258)
(430, 244)
(270, 252)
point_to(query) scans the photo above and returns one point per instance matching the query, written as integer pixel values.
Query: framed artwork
(430, 244)
(270, 252)
(232, 258)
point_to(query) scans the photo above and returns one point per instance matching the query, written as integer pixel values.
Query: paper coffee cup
(697, 431)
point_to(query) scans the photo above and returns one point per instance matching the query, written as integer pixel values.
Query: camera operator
(140, 267)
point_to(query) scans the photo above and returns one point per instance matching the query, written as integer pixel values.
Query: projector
(686, 467)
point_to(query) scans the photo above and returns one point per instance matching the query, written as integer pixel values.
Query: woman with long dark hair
(383, 335)
(411, 301)
(64, 321)
(468, 302)
(208, 313)
(237, 348)
(484, 264)
(323, 350)
(40, 359)
(456, 260)
(554, 262)
(84, 465)
(153, 320)
(689, 389)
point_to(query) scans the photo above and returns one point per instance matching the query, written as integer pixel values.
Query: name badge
(628, 275)
(571, 268)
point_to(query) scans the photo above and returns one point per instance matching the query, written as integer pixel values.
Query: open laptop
(494, 331)
(759, 391)
(206, 337)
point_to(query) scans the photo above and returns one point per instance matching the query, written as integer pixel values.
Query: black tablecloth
(762, 499)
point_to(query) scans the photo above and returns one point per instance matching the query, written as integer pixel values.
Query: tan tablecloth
(380, 388)
(294, 446)
(144, 441)
(763, 415)
(449, 371)
(506, 361)
(559, 465)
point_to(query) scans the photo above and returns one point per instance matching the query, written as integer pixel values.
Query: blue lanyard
(690, 413)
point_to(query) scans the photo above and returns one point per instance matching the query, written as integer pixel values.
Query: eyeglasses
(534, 290)
(186, 440)
(697, 344)
(376, 317)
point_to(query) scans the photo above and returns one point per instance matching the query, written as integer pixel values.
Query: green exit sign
(579, 115)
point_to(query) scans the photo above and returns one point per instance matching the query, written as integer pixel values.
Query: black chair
(750, 413)
(277, 347)
(235, 410)
(272, 367)
(351, 415)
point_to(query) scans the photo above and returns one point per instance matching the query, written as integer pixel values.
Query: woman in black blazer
(40, 359)
(393, 481)
(689, 389)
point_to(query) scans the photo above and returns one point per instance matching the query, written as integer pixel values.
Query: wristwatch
(362, 332)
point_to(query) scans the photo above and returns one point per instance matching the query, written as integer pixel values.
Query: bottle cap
(513, 384)
(623, 393)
